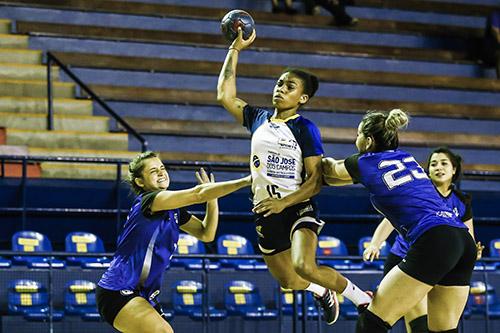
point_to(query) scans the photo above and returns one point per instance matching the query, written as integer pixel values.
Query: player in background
(442, 253)
(285, 162)
(444, 168)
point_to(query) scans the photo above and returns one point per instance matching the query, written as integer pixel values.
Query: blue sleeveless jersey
(459, 202)
(402, 192)
(144, 249)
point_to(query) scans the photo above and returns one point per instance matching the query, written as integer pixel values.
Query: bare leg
(446, 304)
(304, 244)
(281, 268)
(418, 311)
(397, 294)
(139, 316)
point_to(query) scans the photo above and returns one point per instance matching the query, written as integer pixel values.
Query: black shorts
(443, 255)
(110, 302)
(391, 261)
(275, 232)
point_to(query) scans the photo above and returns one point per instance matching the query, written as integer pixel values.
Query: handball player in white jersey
(285, 164)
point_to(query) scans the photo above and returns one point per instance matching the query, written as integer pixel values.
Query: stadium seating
(80, 300)
(242, 298)
(30, 299)
(331, 246)
(5, 263)
(32, 242)
(287, 302)
(188, 300)
(483, 300)
(235, 245)
(85, 242)
(384, 251)
(188, 244)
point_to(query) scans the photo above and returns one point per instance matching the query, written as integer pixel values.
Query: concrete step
(68, 106)
(5, 26)
(35, 121)
(65, 139)
(11, 71)
(20, 56)
(13, 41)
(32, 151)
(80, 170)
(34, 88)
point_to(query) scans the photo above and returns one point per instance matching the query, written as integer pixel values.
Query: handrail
(50, 99)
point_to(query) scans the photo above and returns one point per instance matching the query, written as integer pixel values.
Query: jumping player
(285, 164)
(442, 253)
(127, 292)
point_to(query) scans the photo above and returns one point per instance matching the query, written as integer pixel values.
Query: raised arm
(226, 86)
(166, 200)
(335, 172)
(380, 235)
(204, 230)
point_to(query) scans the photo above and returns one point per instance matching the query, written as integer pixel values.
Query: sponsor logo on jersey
(154, 294)
(444, 214)
(256, 162)
(308, 208)
(126, 292)
(287, 144)
(273, 125)
(455, 210)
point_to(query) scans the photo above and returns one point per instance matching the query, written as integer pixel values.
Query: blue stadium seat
(287, 303)
(85, 242)
(242, 298)
(188, 244)
(32, 241)
(375, 264)
(235, 245)
(79, 299)
(188, 300)
(483, 300)
(30, 299)
(494, 253)
(331, 246)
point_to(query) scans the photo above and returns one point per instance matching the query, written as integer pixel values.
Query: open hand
(371, 252)
(240, 43)
(479, 250)
(203, 177)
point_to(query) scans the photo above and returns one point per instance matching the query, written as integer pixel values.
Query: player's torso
(276, 161)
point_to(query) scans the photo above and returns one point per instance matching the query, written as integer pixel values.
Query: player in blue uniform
(127, 292)
(444, 169)
(442, 253)
(285, 164)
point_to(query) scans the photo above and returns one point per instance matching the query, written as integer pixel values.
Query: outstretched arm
(335, 172)
(166, 200)
(204, 230)
(382, 232)
(226, 86)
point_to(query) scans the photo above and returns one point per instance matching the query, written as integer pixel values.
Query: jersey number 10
(392, 180)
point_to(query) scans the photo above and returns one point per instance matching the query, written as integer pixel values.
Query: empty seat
(235, 245)
(332, 246)
(30, 299)
(242, 298)
(188, 300)
(32, 241)
(483, 300)
(85, 242)
(188, 244)
(79, 299)
(287, 303)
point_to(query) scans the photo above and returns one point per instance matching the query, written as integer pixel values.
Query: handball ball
(234, 19)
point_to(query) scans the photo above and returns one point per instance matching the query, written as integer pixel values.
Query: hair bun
(396, 119)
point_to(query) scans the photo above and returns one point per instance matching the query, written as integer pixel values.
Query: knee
(290, 283)
(368, 322)
(305, 269)
(162, 328)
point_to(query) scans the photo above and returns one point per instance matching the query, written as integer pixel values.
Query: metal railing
(50, 58)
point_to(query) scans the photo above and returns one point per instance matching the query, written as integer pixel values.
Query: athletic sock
(368, 322)
(316, 289)
(356, 295)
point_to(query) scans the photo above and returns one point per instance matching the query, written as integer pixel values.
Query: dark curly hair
(135, 168)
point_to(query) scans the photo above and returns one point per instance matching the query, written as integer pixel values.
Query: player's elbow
(207, 237)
